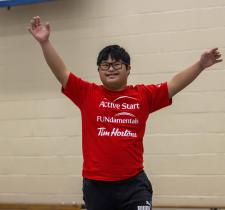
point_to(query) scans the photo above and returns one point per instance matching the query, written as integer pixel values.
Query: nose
(111, 68)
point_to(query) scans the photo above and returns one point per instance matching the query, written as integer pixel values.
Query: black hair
(115, 52)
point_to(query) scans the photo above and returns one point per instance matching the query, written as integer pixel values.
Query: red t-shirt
(113, 126)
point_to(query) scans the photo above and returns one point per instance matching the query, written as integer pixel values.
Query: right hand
(40, 32)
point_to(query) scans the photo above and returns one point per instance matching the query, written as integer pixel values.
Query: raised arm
(185, 77)
(41, 33)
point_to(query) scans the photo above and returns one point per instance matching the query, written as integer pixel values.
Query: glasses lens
(104, 66)
(117, 65)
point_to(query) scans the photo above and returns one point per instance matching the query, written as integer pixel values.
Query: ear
(128, 69)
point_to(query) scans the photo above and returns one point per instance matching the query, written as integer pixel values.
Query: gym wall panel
(40, 127)
(34, 146)
(185, 164)
(44, 165)
(184, 143)
(189, 184)
(53, 184)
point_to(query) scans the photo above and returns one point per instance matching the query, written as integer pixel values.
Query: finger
(47, 26)
(32, 23)
(38, 20)
(30, 30)
(34, 20)
(218, 55)
(214, 50)
(219, 60)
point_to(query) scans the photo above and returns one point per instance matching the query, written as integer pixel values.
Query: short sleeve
(158, 96)
(76, 89)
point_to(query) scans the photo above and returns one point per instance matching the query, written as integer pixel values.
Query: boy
(113, 122)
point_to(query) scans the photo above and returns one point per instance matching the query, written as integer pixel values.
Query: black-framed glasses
(104, 66)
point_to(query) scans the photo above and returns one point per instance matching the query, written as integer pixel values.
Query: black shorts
(131, 194)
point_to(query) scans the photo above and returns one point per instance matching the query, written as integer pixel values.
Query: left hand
(210, 58)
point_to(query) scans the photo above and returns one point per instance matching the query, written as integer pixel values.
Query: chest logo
(123, 109)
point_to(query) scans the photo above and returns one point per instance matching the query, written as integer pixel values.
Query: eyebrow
(105, 61)
(111, 62)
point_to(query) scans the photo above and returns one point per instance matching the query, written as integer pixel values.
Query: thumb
(30, 30)
(219, 60)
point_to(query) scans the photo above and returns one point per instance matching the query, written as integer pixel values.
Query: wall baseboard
(18, 206)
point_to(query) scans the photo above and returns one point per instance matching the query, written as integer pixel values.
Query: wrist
(44, 43)
(200, 65)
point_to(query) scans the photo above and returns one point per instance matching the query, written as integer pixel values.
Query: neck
(115, 88)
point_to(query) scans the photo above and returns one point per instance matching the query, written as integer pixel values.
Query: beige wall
(40, 130)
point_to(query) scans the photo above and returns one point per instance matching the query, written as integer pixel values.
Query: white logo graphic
(116, 132)
(102, 119)
(105, 103)
(112, 105)
(124, 114)
(143, 208)
(121, 97)
(147, 202)
(123, 117)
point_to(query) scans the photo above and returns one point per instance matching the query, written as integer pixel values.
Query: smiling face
(113, 74)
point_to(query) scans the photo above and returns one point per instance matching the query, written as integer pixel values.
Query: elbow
(64, 79)
(172, 89)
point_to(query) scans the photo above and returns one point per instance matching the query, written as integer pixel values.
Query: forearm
(55, 62)
(184, 78)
